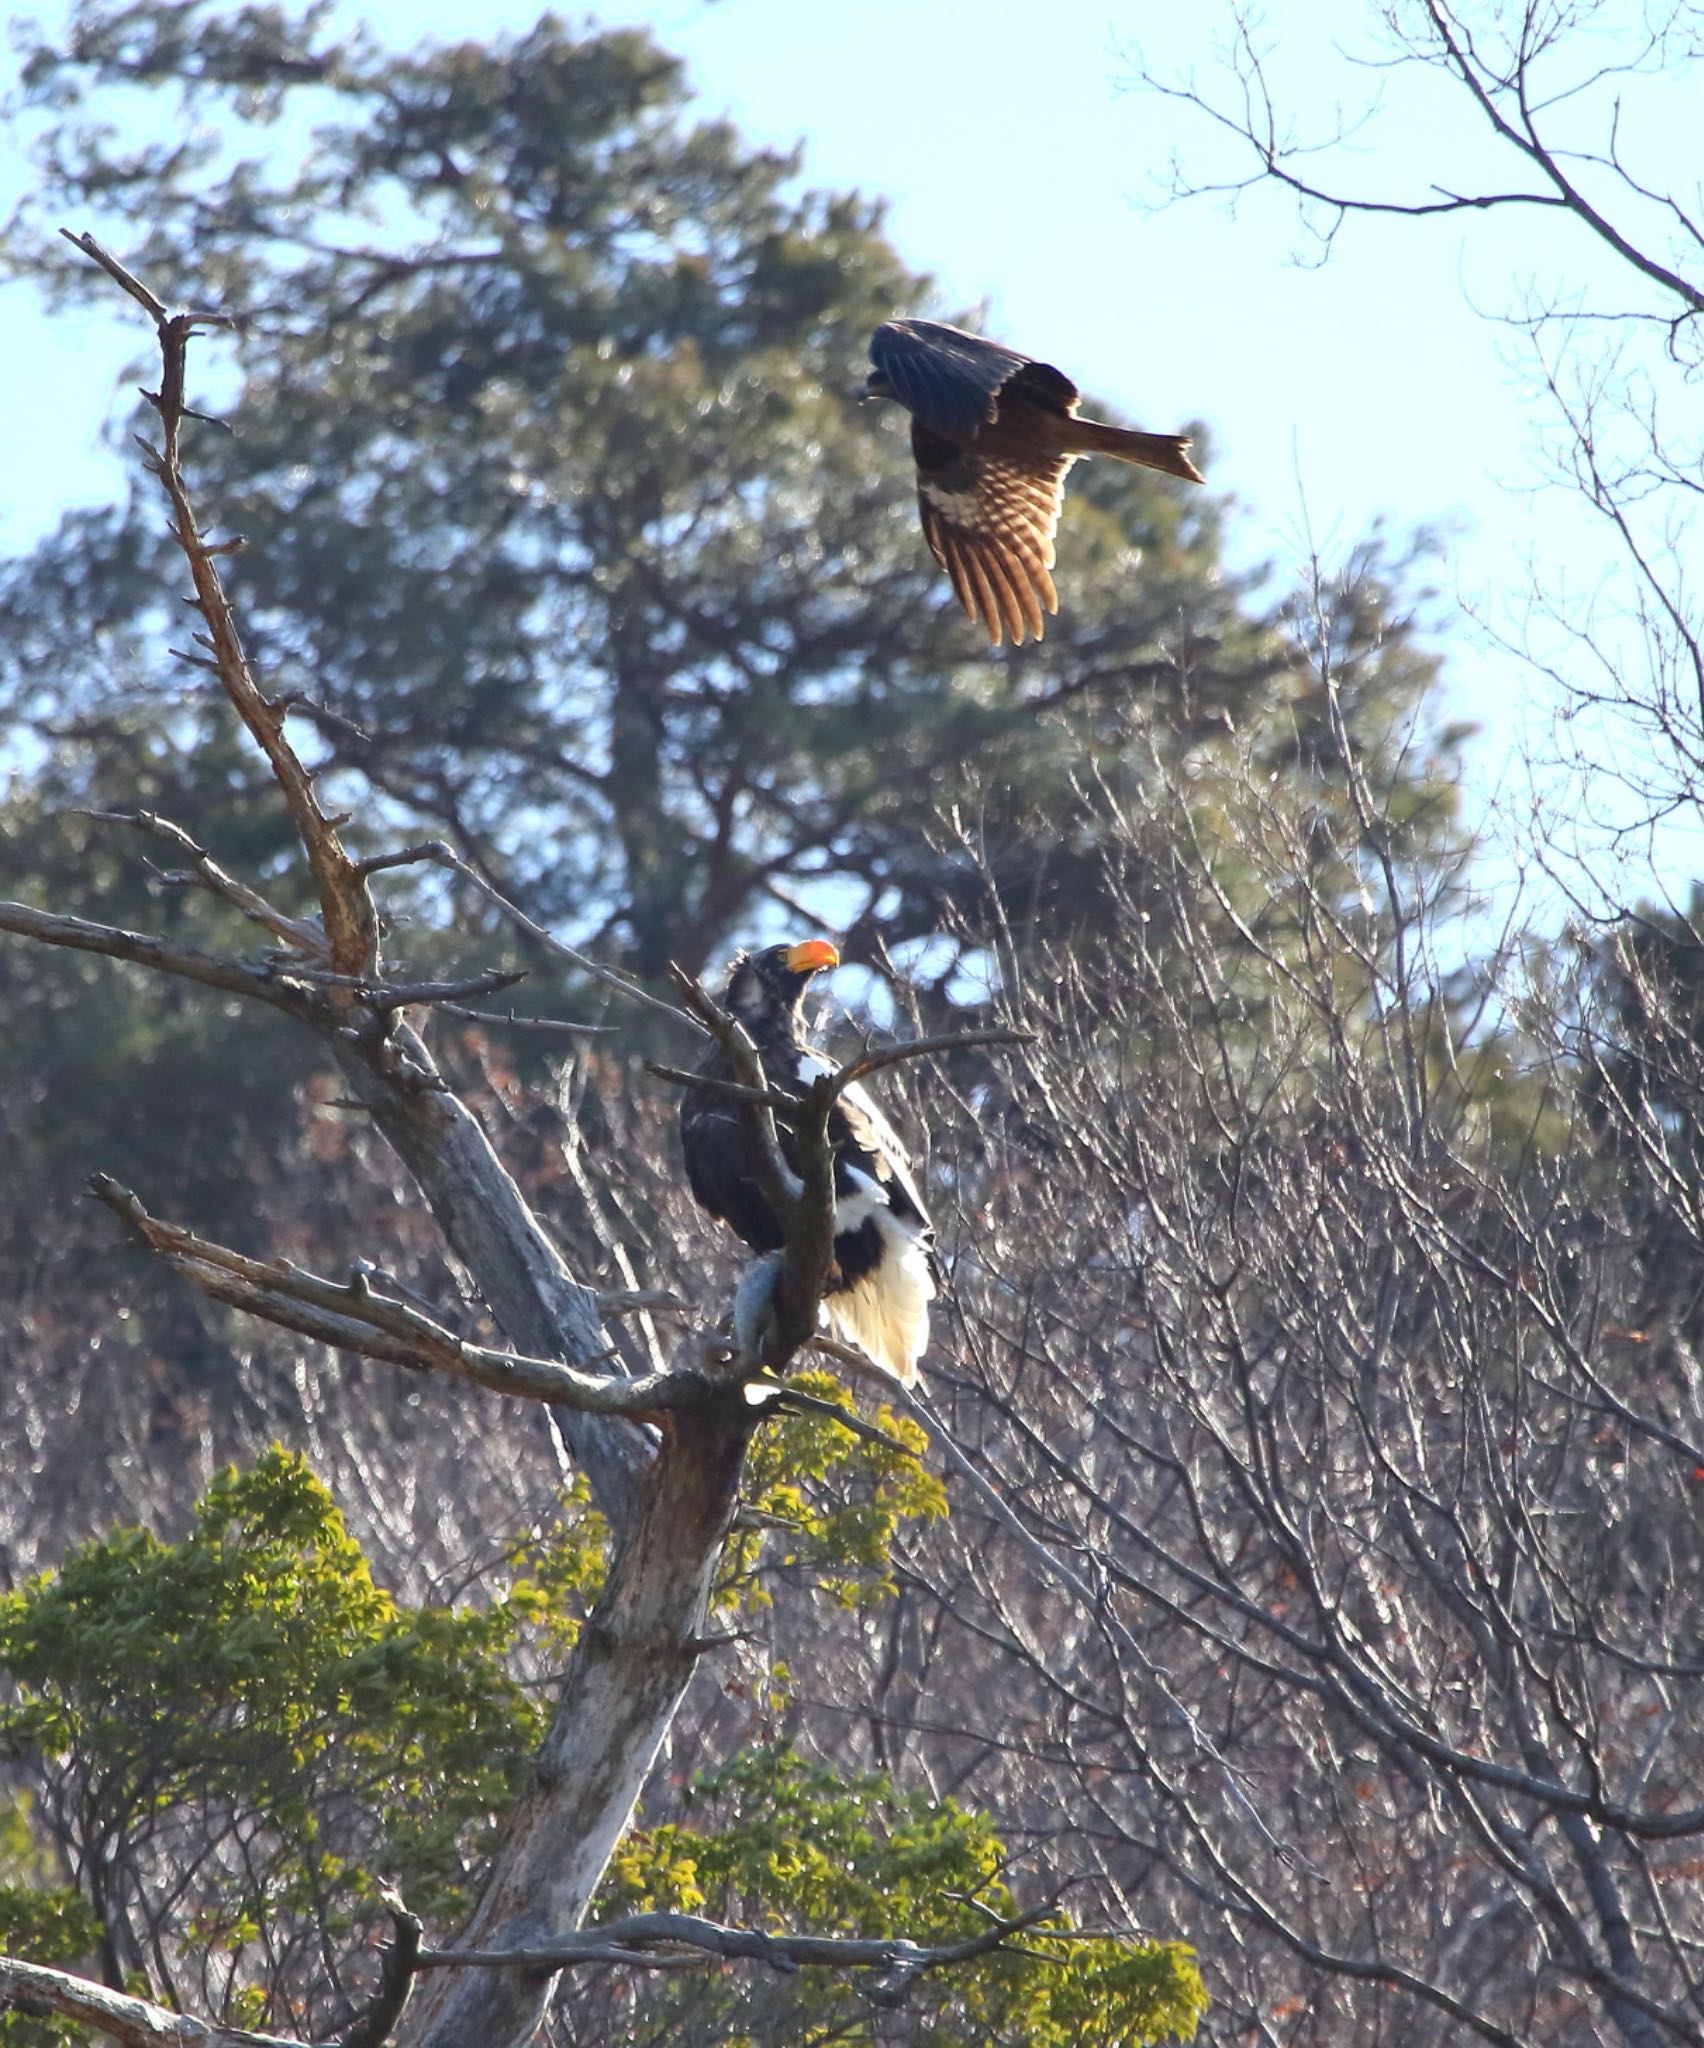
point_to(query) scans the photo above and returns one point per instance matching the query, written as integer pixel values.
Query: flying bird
(883, 1277)
(994, 433)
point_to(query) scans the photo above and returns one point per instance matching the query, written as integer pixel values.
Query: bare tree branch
(265, 984)
(802, 1200)
(298, 932)
(640, 1934)
(436, 853)
(136, 2022)
(353, 1316)
(374, 2027)
(1255, 122)
(346, 909)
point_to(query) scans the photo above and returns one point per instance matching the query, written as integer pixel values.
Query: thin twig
(734, 1091)
(561, 1025)
(297, 932)
(436, 853)
(873, 1061)
(409, 995)
(791, 1397)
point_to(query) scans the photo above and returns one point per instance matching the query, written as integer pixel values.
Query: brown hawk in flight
(994, 433)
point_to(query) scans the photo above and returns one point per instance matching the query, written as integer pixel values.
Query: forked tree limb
(1504, 97)
(648, 1941)
(397, 1970)
(205, 872)
(354, 1316)
(346, 907)
(656, 1940)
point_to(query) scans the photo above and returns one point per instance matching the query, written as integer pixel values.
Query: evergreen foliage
(235, 1737)
(772, 1839)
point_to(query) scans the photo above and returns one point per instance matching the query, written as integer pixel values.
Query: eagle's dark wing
(721, 1169)
(948, 379)
(864, 1141)
(721, 1161)
(989, 520)
(884, 1275)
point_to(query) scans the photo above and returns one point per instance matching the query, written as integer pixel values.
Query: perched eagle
(883, 1277)
(994, 433)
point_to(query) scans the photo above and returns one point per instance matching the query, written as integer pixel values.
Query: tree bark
(491, 1228)
(619, 1696)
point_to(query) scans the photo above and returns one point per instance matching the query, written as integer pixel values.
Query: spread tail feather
(1167, 452)
(887, 1312)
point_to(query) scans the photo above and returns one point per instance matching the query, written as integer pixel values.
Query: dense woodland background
(1326, 1278)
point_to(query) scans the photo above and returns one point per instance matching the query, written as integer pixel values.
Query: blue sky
(1015, 175)
(1017, 165)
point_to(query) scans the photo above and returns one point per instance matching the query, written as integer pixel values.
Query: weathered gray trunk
(669, 1500)
(619, 1695)
(519, 1273)
(668, 1493)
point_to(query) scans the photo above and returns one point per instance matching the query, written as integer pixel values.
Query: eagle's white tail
(887, 1312)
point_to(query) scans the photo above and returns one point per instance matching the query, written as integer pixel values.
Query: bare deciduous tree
(1330, 1345)
(1577, 114)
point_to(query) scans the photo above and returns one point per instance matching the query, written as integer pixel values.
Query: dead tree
(662, 1451)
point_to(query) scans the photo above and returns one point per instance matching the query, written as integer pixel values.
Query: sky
(1020, 168)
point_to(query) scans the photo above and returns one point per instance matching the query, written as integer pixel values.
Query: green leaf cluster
(771, 1840)
(827, 1504)
(47, 1921)
(252, 1681)
(559, 1571)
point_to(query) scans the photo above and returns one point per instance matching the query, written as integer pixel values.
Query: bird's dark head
(762, 984)
(877, 385)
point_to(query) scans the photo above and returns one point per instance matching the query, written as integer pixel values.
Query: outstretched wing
(989, 520)
(949, 380)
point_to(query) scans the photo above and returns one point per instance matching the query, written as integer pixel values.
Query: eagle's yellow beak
(812, 957)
